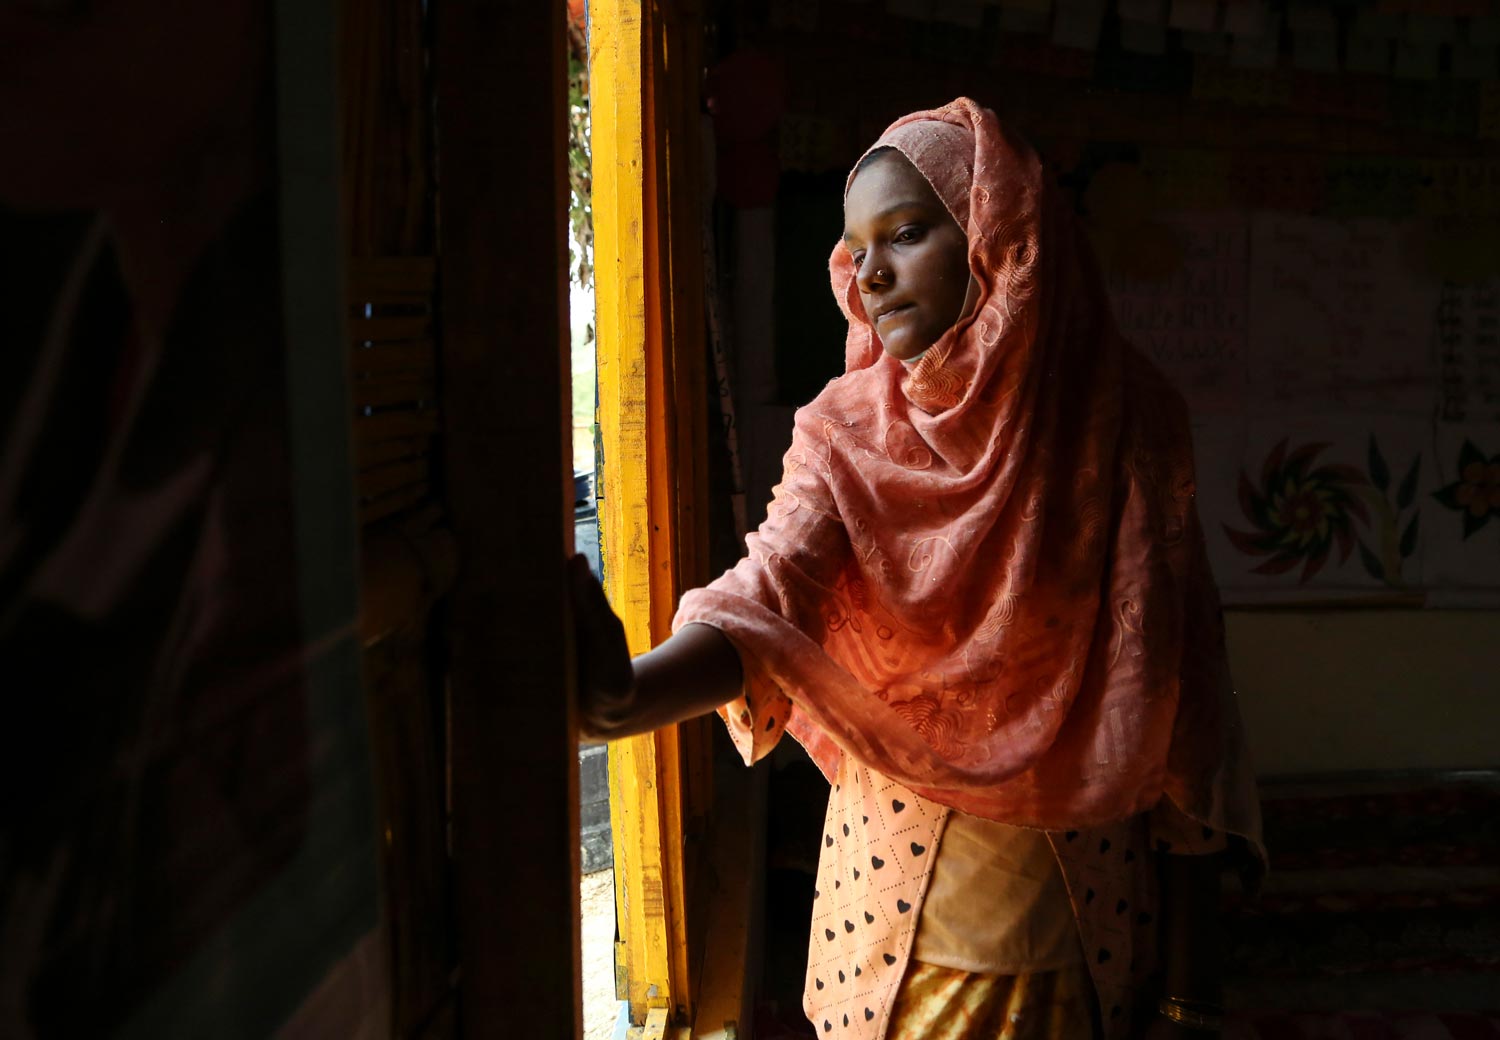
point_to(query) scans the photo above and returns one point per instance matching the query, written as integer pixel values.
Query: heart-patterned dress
(880, 844)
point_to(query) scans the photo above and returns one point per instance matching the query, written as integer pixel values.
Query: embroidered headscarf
(982, 574)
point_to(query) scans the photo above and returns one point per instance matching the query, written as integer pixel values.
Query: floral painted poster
(1323, 508)
(1361, 462)
(1462, 562)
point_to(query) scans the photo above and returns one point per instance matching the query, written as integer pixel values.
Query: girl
(980, 601)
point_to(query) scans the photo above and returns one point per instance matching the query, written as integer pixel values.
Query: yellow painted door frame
(643, 75)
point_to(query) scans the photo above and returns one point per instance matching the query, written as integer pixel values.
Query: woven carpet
(1380, 917)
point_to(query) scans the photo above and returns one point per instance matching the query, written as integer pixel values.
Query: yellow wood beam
(638, 508)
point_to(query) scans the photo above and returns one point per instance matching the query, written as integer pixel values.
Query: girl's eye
(908, 234)
(859, 258)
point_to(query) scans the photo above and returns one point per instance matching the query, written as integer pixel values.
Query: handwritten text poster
(1469, 352)
(1187, 308)
(1337, 319)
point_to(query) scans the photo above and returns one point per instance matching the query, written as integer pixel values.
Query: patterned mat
(1384, 899)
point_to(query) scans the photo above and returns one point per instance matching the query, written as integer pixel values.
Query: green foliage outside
(581, 249)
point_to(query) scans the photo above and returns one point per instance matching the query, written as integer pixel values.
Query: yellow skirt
(947, 1004)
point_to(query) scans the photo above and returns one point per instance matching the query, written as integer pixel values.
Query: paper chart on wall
(1337, 319)
(1468, 326)
(1189, 314)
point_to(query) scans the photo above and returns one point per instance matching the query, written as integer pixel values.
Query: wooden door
(500, 76)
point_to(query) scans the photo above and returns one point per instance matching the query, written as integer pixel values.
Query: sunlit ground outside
(597, 902)
(581, 327)
(596, 890)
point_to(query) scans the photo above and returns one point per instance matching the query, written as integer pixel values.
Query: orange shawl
(982, 575)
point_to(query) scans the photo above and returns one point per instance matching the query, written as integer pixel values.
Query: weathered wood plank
(676, 76)
(376, 393)
(382, 480)
(504, 366)
(370, 454)
(390, 328)
(412, 356)
(392, 503)
(653, 427)
(388, 277)
(637, 559)
(369, 429)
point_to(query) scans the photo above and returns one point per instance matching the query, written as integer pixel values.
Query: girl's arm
(690, 674)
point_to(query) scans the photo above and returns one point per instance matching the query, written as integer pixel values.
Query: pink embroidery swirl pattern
(904, 446)
(933, 386)
(939, 728)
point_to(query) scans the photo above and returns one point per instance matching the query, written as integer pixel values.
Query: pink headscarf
(982, 575)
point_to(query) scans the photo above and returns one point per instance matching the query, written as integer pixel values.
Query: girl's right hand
(606, 678)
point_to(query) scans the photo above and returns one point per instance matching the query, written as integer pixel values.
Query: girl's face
(910, 256)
